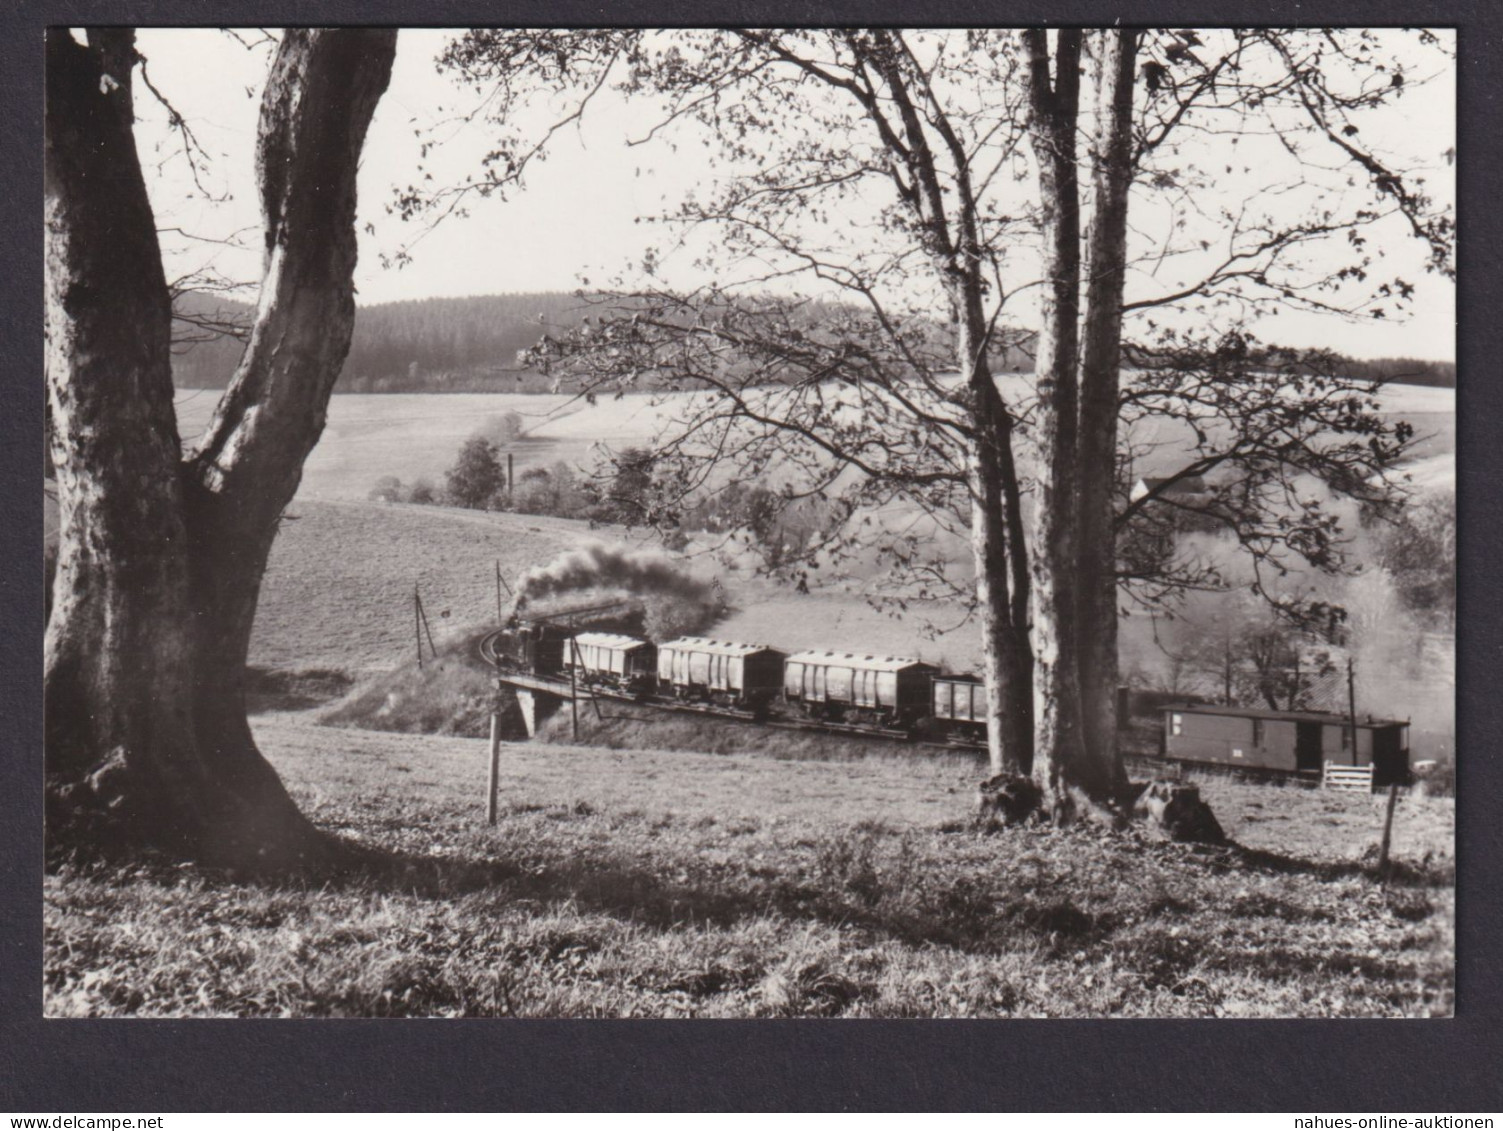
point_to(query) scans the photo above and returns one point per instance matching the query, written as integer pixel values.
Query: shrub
(1438, 778)
(782, 530)
(1419, 549)
(388, 489)
(476, 477)
(554, 491)
(422, 492)
(630, 496)
(502, 430)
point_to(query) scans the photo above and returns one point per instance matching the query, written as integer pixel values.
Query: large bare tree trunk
(1059, 751)
(161, 557)
(1101, 349)
(117, 651)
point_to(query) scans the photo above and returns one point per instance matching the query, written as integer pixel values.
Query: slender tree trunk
(1101, 349)
(1007, 663)
(997, 537)
(1059, 753)
(161, 557)
(242, 474)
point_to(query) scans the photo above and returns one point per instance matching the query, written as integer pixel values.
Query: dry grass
(674, 884)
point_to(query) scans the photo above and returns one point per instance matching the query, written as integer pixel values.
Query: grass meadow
(749, 873)
(667, 884)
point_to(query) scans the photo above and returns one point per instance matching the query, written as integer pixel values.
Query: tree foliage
(946, 184)
(1418, 547)
(476, 479)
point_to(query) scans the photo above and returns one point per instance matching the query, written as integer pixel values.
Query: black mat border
(1415, 1066)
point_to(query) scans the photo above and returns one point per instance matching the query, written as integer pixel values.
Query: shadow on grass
(936, 907)
(1404, 873)
(957, 912)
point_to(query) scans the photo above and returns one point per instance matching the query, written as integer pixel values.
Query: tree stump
(1007, 800)
(1176, 810)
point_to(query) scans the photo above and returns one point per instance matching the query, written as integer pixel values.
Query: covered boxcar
(958, 705)
(1295, 742)
(844, 686)
(612, 660)
(720, 671)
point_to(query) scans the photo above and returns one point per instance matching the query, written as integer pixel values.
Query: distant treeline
(1405, 371)
(426, 345)
(471, 345)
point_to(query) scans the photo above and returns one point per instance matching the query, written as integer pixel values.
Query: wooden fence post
(1351, 705)
(492, 782)
(423, 617)
(1393, 796)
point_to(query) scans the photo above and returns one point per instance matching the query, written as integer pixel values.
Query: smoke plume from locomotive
(643, 572)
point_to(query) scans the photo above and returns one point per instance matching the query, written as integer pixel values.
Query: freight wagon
(728, 674)
(889, 691)
(1292, 742)
(610, 659)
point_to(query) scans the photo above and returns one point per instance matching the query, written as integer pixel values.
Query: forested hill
(471, 345)
(424, 345)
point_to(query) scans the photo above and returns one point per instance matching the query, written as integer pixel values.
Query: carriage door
(1307, 752)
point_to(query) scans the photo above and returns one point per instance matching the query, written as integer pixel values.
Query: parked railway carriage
(958, 705)
(720, 671)
(613, 660)
(886, 690)
(1285, 741)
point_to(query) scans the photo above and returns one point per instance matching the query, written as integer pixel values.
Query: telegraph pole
(417, 624)
(1351, 705)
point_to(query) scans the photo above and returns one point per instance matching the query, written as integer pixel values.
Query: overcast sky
(580, 214)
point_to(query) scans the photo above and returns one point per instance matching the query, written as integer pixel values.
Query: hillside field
(338, 589)
(415, 435)
(648, 884)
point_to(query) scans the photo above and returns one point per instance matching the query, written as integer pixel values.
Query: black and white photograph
(884, 522)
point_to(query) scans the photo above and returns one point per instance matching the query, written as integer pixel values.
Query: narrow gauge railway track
(487, 650)
(1139, 762)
